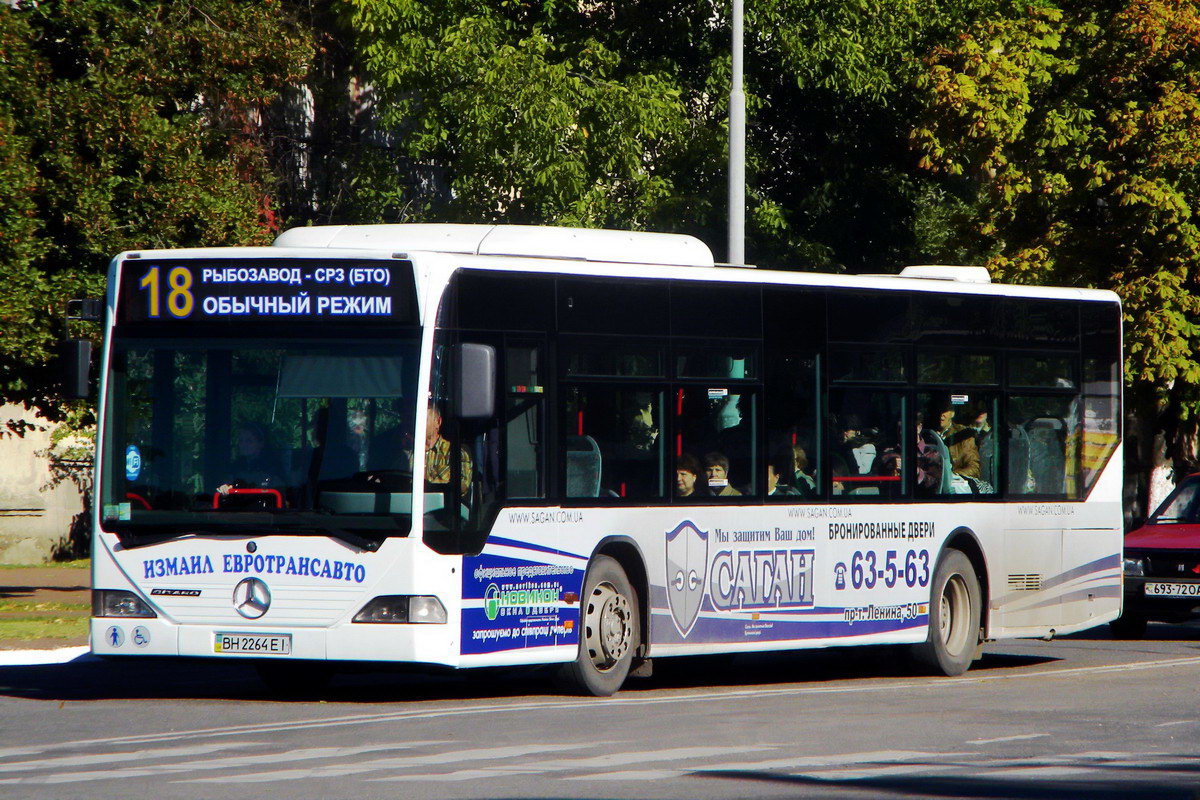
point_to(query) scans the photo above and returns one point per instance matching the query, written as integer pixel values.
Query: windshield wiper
(349, 537)
(131, 539)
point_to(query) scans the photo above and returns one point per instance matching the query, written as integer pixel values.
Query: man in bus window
(716, 466)
(257, 465)
(781, 464)
(437, 453)
(687, 477)
(964, 453)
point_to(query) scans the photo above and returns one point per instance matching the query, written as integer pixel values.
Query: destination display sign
(278, 289)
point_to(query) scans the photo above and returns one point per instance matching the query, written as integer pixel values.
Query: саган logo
(687, 568)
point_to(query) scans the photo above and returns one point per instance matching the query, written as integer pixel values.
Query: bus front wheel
(610, 631)
(954, 614)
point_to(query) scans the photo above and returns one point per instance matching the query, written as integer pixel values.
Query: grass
(43, 628)
(25, 619)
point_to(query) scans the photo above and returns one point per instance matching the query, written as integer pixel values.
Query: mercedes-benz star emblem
(251, 598)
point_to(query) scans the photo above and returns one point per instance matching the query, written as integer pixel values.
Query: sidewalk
(44, 607)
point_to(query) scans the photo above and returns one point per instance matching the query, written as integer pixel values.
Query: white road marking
(61, 762)
(805, 763)
(1017, 738)
(303, 754)
(1042, 772)
(597, 705)
(396, 762)
(567, 764)
(1176, 722)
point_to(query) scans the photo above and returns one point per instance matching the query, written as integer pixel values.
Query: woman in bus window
(687, 478)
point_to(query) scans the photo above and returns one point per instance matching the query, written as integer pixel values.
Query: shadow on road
(1155, 632)
(1167, 778)
(91, 678)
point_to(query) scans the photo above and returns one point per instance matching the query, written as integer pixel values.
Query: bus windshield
(259, 435)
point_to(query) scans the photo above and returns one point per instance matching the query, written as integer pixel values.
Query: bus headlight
(119, 603)
(400, 608)
(1134, 567)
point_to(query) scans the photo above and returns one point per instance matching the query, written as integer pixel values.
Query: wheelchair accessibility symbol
(114, 637)
(141, 636)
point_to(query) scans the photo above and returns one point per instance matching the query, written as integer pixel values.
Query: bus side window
(612, 443)
(792, 432)
(1048, 429)
(716, 427)
(864, 446)
(956, 447)
(523, 412)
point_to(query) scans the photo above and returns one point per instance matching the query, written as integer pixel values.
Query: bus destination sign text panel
(224, 290)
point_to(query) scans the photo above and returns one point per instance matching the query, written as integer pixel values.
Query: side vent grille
(1025, 582)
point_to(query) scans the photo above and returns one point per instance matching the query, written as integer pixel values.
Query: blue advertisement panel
(511, 603)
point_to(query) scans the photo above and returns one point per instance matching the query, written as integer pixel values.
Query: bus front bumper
(413, 643)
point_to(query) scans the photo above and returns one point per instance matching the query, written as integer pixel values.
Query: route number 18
(179, 292)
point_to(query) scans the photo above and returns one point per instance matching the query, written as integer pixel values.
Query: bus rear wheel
(610, 631)
(954, 614)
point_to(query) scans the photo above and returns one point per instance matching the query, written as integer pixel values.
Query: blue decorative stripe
(534, 547)
(735, 631)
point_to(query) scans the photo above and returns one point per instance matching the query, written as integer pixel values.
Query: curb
(31, 658)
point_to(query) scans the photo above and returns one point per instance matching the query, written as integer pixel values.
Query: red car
(1162, 564)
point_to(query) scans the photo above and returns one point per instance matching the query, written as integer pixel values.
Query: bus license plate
(278, 644)
(1173, 589)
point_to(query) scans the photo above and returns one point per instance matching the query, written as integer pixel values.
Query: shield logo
(687, 570)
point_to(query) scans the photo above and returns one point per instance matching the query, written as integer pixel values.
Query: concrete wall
(38, 504)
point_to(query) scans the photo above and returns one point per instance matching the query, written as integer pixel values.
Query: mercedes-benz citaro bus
(472, 445)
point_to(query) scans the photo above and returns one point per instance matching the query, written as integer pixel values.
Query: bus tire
(1130, 625)
(954, 613)
(610, 631)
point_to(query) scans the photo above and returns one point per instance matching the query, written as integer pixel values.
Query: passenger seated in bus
(642, 430)
(888, 464)
(932, 477)
(781, 464)
(803, 482)
(717, 468)
(846, 452)
(687, 477)
(437, 454)
(257, 465)
(964, 454)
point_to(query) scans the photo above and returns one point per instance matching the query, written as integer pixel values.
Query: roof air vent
(939, 272)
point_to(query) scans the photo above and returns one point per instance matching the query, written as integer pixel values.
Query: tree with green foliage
(126, 125)
(1071, 133)
(614, 113)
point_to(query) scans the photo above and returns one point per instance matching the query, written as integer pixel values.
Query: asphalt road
(1080, 717)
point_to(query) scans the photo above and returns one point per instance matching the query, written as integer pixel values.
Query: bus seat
(583, 467)
(939, 444)
(1047, 454)
(1018, 459)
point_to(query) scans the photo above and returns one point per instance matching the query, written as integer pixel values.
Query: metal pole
(737, 147)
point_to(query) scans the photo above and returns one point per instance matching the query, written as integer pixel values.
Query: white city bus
(619, 450)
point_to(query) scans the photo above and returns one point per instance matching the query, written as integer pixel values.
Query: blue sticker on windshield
(133, 462)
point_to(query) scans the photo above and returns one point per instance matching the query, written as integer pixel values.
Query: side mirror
(77, 369)
(475, 384)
